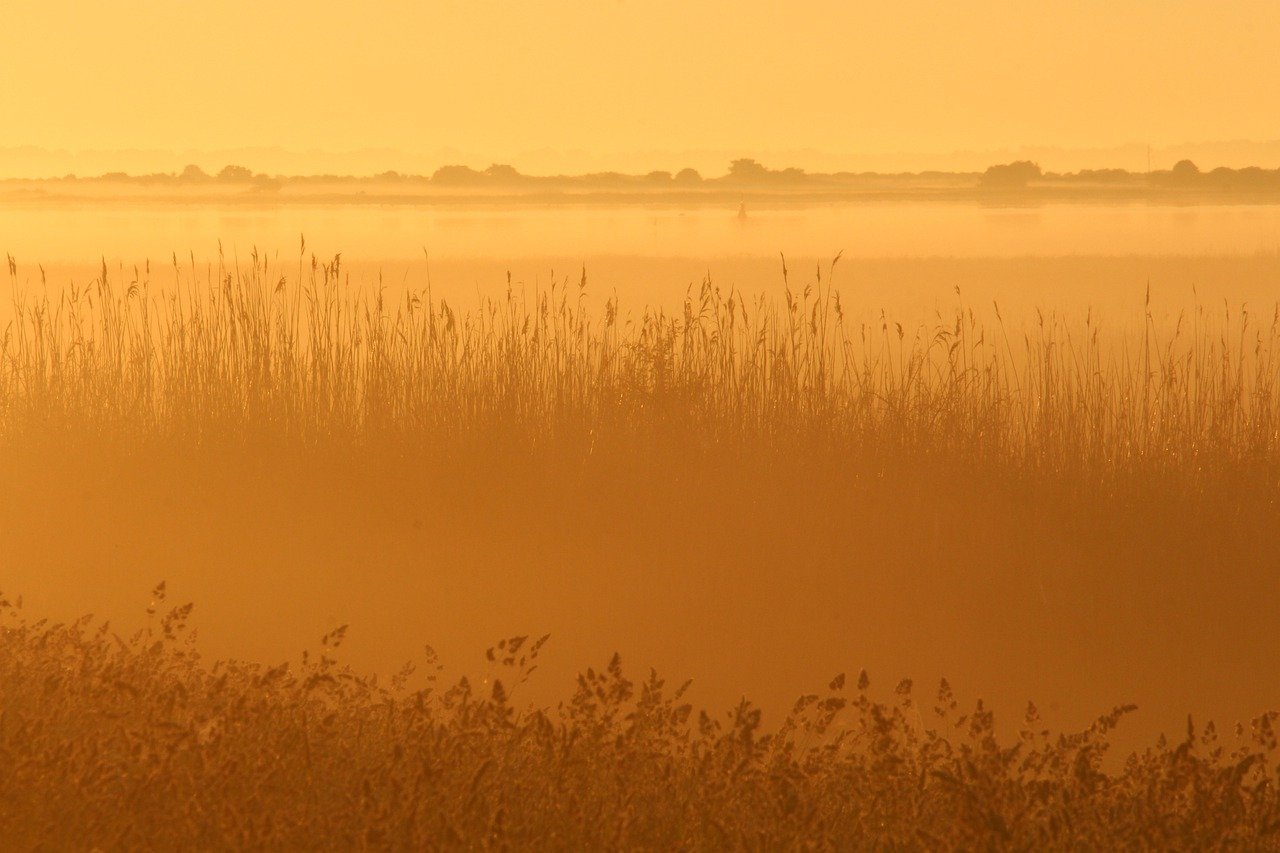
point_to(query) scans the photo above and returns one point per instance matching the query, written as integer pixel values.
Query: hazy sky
(608, 78)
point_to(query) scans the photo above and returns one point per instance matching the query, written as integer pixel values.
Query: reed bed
(246, 353)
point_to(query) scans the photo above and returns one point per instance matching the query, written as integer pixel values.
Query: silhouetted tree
(503, 174)
(1009, 175)
(1102, 176)
(1248, 179)
(237, 174)
(747, 169)
(193, 173)
(1185, 172)
(266, 183)
(688, 176)
(615, 179)
(456, 176)
(658, 177)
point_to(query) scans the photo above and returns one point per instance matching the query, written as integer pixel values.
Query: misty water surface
(66, 233)
(905, 257)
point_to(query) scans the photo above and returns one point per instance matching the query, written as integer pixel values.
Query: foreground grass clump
(136, 744)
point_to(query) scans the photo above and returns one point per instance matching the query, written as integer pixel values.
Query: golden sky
(600, 80)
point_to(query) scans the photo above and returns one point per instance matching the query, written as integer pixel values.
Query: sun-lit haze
(752, 342)
(581, 85)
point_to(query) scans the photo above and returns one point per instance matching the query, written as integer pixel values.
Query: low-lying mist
(751, 491)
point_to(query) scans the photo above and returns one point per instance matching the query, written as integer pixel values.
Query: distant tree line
(193, 174)
(1184, 175)
(1019, 175)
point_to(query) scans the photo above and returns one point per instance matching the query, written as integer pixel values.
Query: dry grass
(136, 744)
